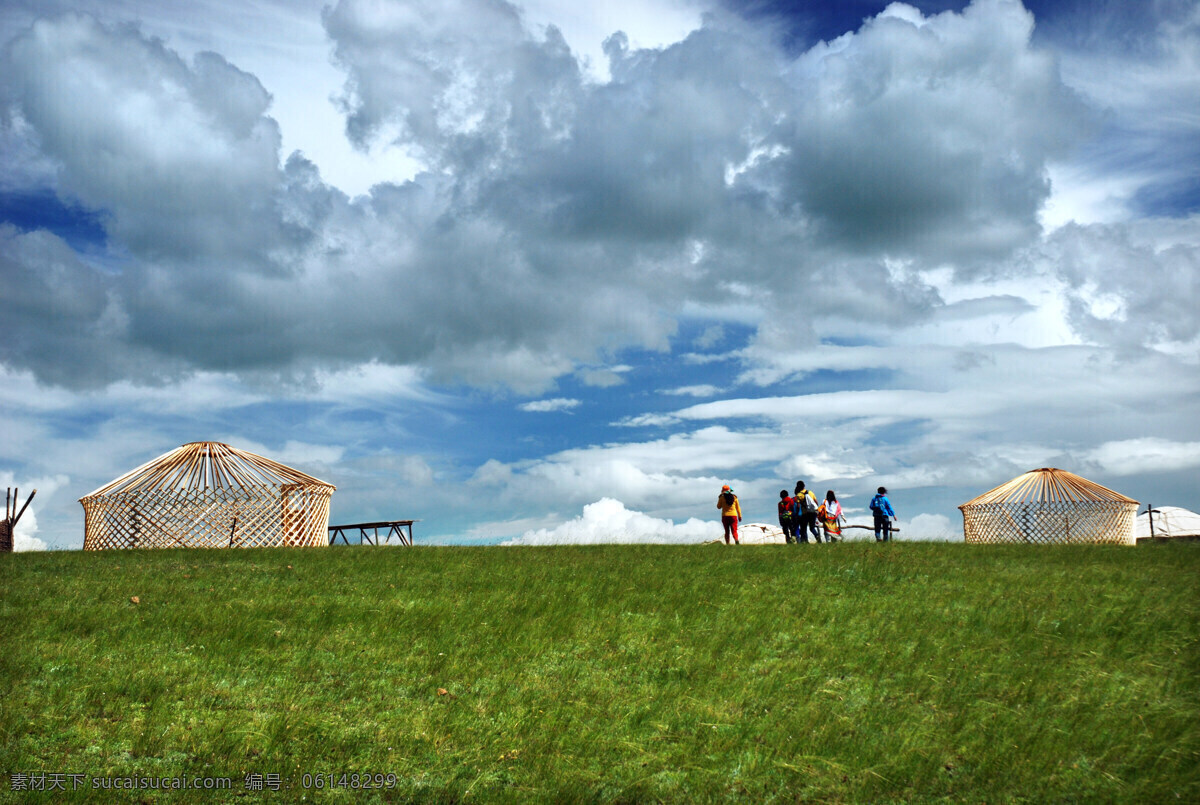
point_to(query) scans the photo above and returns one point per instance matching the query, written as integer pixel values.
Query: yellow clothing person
(731, 513)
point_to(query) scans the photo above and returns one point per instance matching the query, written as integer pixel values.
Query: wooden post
(28, 500)
(8, 528)
(6, 537)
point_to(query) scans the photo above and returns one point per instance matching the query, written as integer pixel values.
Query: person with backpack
(787, 518)
(731, 513)
(881, 508)
(830, 513)
(806, 514)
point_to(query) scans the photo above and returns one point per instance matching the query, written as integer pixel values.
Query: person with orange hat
(731, 513)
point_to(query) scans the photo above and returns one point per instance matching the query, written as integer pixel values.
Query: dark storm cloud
(931, 140)
(560, 219)
(60, 315)
(180, 157)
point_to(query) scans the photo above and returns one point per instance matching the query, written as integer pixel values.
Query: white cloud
(607, 520)
(712, 335)
(887, 403)
(371, 381)
(702, 390)
(1001, 411)
(390, 486)
(585, 26)
(493, 531)
(605, 377)
(1128, 288)
(1145, 455)
(824, 466)
(1143, 78)
(415, 471)
(903, 11)
(23, 537)
(555, 404)
(294, 453)
(316, 454)
(929, 527)
(1081, 195)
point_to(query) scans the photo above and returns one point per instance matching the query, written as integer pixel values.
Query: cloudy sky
(554, 272)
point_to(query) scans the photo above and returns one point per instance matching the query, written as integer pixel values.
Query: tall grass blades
(861, 673)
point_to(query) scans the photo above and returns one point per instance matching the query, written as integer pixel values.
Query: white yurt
(761, 534)
(1167, 522)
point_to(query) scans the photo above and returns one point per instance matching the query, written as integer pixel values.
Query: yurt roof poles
(206, 465)
(1049, 505)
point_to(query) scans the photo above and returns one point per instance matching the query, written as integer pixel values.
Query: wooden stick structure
(1048, 506)
(400, 529)
(208, 495)
(8, 527)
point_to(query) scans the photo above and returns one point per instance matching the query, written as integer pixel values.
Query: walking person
(830, 513)
(806, 512)
(731, 513)
(881, 508)
(787, 518)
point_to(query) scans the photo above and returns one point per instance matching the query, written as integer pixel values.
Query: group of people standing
(799, 514)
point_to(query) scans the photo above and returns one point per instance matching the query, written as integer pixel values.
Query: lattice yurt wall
(1048, 506)
(208, 495)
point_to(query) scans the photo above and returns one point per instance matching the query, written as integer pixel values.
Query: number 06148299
(356, 780)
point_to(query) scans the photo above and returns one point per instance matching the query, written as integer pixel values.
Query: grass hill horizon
(903, 672)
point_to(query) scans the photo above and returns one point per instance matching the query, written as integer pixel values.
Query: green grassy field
(848, 673)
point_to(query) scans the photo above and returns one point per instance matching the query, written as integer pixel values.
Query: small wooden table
(368, 533)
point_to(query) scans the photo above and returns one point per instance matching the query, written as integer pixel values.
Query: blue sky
(555, 272)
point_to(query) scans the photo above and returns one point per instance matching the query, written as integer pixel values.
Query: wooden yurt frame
(1050, 506)
(208, 495)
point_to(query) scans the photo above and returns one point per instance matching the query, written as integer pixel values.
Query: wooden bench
(368, 533)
